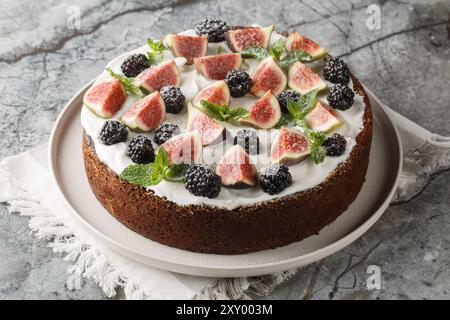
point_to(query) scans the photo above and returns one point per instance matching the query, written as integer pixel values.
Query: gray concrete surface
(406, 62)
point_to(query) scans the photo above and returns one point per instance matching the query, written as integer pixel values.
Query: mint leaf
(220, 50)
(128, 83)
(292, 57)
(155, 52)
(318, 152)
(176, 172)
(162, 159)
(277, 49)
(223, 112)
(257, 52)
(140, 174)
(285, 119)
(307, 102)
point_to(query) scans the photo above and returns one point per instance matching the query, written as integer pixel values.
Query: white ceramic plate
(67, 168)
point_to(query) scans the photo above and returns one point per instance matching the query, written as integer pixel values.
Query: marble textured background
(406, 62)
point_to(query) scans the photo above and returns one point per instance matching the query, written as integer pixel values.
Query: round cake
(226, 139)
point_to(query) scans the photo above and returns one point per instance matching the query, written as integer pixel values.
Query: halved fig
(243, 37)
(290, 147)
(264, 113)
(323, 118)
(268, 76)
(154, 78)
(105, 98)
(297, 41)
(146, 114)
(303, 79)
(236, 169)
(186, 46)
(184, 148)
(217, 66)
(217, 92)
(208, 128)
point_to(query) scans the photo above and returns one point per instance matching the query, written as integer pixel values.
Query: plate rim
(222, 271)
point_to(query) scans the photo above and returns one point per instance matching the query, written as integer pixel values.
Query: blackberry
(164, 132)
(113, 132)
(335, 145)
(284, 96)
(202, 181)
(341, 97)
(249, 140)
(140, 150)
(173, 98)
(275, 178)
(134, 64)
(213, 28)
(239, 83)
(336, 71)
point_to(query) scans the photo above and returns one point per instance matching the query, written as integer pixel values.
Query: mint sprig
(292, 57)
(257, 52)
(220, 50)
(277, 50)
(155, 51)
(151, 174)
(223, 112)
(128, 83)
(297, 113)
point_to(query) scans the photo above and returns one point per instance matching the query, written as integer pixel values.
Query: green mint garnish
(257, 52)
(220, 50)
(223, 112)
(297, 113)
(285, 59)
(128, 83)
(292, 57)
(155, 51)
(151, 174)
(318, 152)
(277, 49)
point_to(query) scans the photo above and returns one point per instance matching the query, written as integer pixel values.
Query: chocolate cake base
(265, 225)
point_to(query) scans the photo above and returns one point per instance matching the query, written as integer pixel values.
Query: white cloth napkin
(27, 188)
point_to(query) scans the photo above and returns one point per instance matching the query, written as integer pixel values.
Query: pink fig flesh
(264, 113)
(268, 76)
(240, 38)
(208, 128)
(217, 93)
(236, 169)
(290, 147)
(323, 118)
(146, 114)
(184, 148)
(303, 79)
(297, 41)
(217, 66)
(154, 78)
(189, 47)
(105, 98)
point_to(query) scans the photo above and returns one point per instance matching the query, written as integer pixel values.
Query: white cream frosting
(305, 174)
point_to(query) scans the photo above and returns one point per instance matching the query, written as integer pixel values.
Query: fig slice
(268, 76)
(208, 128)
(236, 169)
(217, 66)
(297, 41)
(290, 147)
(184, 148)
(146, 114)
(303, 79)
(243, 37)
(189, 47)
(264, 113)
(105, 98)
(156, 77)
(217, 92)
(323, 118)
